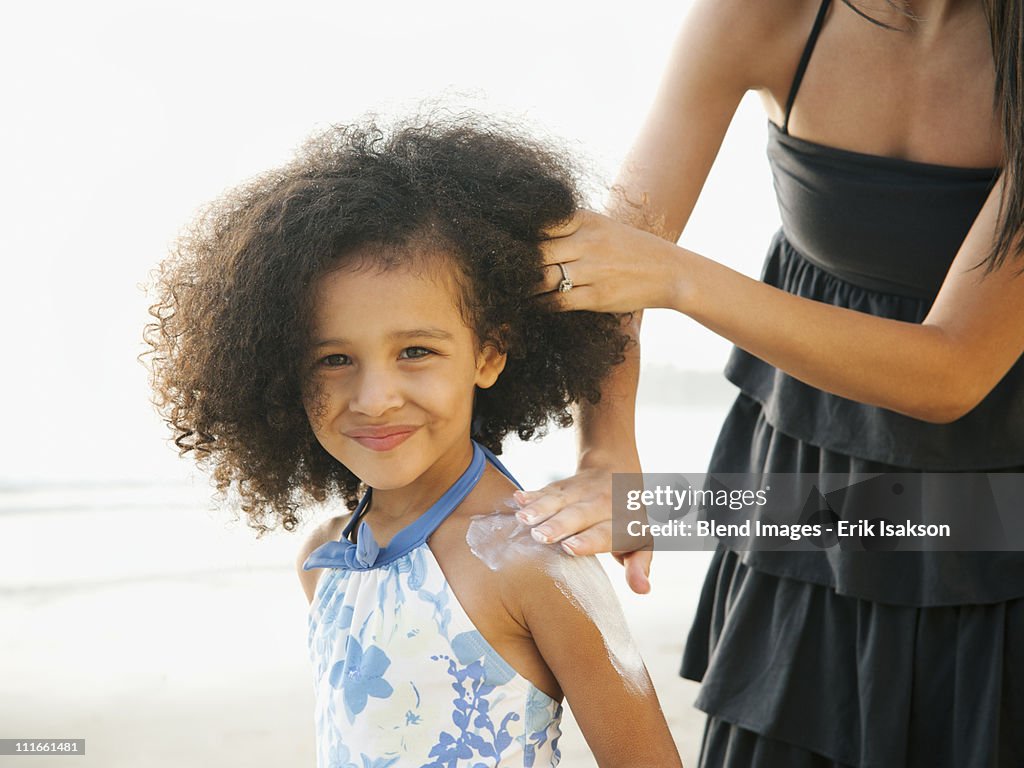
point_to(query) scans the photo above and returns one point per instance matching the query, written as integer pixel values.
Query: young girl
(359, 323)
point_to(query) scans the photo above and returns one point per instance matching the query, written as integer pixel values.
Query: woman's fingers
(570, 519)
(638, 570)
(560, 255)
(590, 541)
(606, 266)
(576, 513)
(561, 250)
(540, 506)
(583, 268)
(589, 492)
(555, 275)
(584, 297)
(567, 227)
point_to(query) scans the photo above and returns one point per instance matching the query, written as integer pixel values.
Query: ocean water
(75, 531)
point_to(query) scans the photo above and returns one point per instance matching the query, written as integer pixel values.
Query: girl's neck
(394, 508)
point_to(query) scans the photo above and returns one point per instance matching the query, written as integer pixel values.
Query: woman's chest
(924, 94)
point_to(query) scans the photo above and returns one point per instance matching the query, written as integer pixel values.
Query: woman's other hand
(612, 266)
(577, 512)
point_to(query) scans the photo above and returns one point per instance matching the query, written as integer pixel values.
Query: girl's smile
(394, 370)
(381, 438)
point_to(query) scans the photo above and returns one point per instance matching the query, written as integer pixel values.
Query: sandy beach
(141, 619)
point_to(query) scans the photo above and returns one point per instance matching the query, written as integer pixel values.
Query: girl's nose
(376, 392)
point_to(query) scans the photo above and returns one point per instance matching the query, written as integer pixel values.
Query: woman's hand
(612, 266)
(577, 513)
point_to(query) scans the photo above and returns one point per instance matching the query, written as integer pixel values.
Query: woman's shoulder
(767, 15)
(327, 530)
(759, 43)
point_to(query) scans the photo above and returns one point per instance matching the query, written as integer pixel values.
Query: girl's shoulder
(327, 530)
(485, 538)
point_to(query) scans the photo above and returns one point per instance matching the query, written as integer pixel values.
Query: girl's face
(394, 367)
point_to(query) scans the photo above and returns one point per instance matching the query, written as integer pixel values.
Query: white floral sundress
(402, 676)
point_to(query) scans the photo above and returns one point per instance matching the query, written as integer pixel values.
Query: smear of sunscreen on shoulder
(500, 539)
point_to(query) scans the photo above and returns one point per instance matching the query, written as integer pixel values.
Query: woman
(885, 336)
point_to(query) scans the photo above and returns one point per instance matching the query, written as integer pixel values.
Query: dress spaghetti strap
(806, 57)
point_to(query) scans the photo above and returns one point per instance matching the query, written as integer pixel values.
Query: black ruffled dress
(848, 658)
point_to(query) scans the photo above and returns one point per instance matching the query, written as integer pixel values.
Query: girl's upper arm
(982, 316)
(724, 49)
(571, 611)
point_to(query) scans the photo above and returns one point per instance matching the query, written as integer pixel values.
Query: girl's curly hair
(234, 300)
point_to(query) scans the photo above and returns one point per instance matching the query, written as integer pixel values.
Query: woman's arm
(722, 51)
(935, 371)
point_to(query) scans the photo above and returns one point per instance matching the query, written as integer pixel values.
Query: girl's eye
(335, 361)
(414, 353)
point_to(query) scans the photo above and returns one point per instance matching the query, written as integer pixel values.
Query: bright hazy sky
(122, 118)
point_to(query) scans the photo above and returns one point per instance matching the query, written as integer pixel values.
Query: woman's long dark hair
(1006, 27)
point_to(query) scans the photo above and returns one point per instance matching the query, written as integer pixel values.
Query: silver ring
(566, 284)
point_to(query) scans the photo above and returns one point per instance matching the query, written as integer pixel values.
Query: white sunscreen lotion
(500, 540)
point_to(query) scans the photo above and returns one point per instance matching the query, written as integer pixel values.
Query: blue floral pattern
(404, 680)
(361, 676)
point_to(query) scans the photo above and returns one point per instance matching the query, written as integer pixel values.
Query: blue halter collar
(365, 553)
